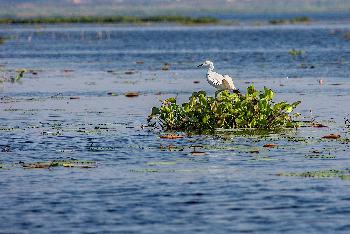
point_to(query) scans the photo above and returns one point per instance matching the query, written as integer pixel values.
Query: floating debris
(254, 151)
(129, 72)
(131, 94)
(332, 136)
(166, 67)
(270, 145)
(112, 94)
(196, 82)
(318, 125)
(139, 62)
(197, 153)
(74, 98)
(170, 136)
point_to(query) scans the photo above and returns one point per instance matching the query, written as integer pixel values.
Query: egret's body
(220, 82)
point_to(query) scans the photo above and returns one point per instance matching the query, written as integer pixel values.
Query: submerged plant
(226, 110)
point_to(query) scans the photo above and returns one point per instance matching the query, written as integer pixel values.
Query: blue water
(142, 184)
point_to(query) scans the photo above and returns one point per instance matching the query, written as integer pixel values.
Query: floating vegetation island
(112, 19)
(205, 114)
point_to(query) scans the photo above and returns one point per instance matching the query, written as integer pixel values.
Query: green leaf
(155, 111)
(171, 100)
(288, 109)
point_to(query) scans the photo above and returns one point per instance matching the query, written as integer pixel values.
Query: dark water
(141, 184)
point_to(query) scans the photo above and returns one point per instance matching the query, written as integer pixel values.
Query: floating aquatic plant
(343, 174)
(294, 52)
(59, 163)
(296, 20)
(205, 114)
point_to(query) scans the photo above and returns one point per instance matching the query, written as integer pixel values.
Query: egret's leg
(236, 91)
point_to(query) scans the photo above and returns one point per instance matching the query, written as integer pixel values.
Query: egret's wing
(215, 78)
(228, 83)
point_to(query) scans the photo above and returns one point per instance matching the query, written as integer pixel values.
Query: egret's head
(206, 64)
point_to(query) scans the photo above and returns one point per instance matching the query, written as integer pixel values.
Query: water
(141, 183)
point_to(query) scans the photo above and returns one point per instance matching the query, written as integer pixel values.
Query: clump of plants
(205, 114)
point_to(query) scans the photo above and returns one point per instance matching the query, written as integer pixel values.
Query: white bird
(220, 82)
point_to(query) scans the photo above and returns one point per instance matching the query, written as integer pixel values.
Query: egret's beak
(200, 65)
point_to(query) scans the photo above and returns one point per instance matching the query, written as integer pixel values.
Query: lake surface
(63, 109)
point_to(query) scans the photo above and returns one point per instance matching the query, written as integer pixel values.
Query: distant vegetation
(296, 20)
(112, 19)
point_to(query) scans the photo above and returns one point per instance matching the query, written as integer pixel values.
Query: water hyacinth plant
(204, 114)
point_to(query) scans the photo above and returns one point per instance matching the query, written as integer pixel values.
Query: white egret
(220, 82)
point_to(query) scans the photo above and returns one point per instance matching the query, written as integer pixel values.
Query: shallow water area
(71, 104)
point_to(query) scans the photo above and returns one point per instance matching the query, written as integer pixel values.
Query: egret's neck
(211, 68)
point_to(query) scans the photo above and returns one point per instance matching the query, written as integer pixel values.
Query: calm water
(141, 184)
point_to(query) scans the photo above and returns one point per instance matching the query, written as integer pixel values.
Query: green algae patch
(204, 114)
(332, 173)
